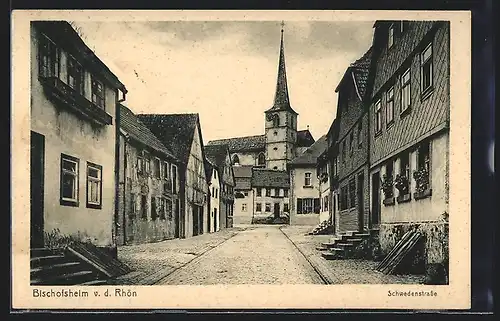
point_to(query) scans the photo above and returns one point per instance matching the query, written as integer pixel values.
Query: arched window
(261, 160)
(276, 120)
(236, 159)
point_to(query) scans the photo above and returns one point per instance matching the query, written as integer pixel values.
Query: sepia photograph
(219, 152)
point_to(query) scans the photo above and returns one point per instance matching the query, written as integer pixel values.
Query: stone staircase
(60, 267)
(342, 246)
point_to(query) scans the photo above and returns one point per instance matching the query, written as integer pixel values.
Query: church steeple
(281, 98)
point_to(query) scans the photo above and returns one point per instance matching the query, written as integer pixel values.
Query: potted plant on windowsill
(402, 184)
(387, 189)
(421, 177)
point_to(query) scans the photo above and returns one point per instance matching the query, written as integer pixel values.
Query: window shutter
(316, 206)
(299, 206)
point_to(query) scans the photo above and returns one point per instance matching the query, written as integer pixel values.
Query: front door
(361, 203)
(375, 200)
(37, 189)
(276, 210)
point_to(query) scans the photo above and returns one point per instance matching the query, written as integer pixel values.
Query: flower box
(423, 194)
(403, 198)
(389, 201)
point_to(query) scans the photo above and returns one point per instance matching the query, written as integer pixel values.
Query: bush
(56, 240)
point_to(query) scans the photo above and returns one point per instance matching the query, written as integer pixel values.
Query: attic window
(390, 36)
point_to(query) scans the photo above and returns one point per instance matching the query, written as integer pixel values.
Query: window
(344, 197)
(259, 192)
(285, 192)
(97, 92)
(213, 191)
(335, 168)
(405, 90)
(285, 208)
(276, 120)
(273, 192)
(277, 192)
(162, 208)
(49, 58)
(147, 164)
(275, 167)
(236, 159)
(166, 171)
(402, 27)
(154, 213)
(261, 160)
(360, 134)
(275, 148)
(268, 207)
(268, 192)
(157, 168)
(426, 68)
(244, 207)
(351, 140)
(390, 36)
(174, 179)
(325, 203)
(307, 179)
(352, 192)
(75, 75)
(423, 160)
(307, 205)
(69, 180)
(343, 150)
(389, 169)
(258, 207)
(217, 193)
(275, 133)
(390, 105)
(94, 185)
(378, 117)
(143, 207)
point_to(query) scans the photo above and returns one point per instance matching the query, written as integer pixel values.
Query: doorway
(37, 155)
(375, 217)
(361, 203)
(276, 210)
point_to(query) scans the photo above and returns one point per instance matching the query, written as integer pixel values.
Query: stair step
(45, 260)
(345, 244)
(362, 234)
(44, 251)
(54, 267)
(355, 240)
(328, 244)
(65, 279)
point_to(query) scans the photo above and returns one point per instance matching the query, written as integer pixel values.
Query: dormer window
(390, 36)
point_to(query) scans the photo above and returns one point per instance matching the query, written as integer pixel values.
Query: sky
(227, 71)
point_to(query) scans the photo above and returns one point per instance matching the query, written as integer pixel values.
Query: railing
(68, 97)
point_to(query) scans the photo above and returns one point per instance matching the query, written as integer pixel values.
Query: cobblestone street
(261, 255)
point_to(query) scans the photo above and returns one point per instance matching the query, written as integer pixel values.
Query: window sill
(426, 93)
(404, 198)
(69, 203)
(423, 194)
(307, 186)
(378, 133)
(94, 206)
(389, 125)
(405, 112)
(389, 201)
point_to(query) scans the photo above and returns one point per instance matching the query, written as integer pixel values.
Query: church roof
(281, 98)
(239, 144)
(258, 142)
(270, 178)
(310, 155)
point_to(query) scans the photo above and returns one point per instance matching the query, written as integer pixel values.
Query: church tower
(281, 121)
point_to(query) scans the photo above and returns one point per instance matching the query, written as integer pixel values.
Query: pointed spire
(281, 98)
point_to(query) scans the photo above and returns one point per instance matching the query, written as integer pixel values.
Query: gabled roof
(217, 154)
(130, 124)
(238, 144)
(175, 131)
(304, 138)
(358, 73)
(310, 155)
(209, 167)
(270, 178)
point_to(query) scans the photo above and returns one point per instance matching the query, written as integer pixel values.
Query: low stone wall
(433, 253)
(242, 219)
